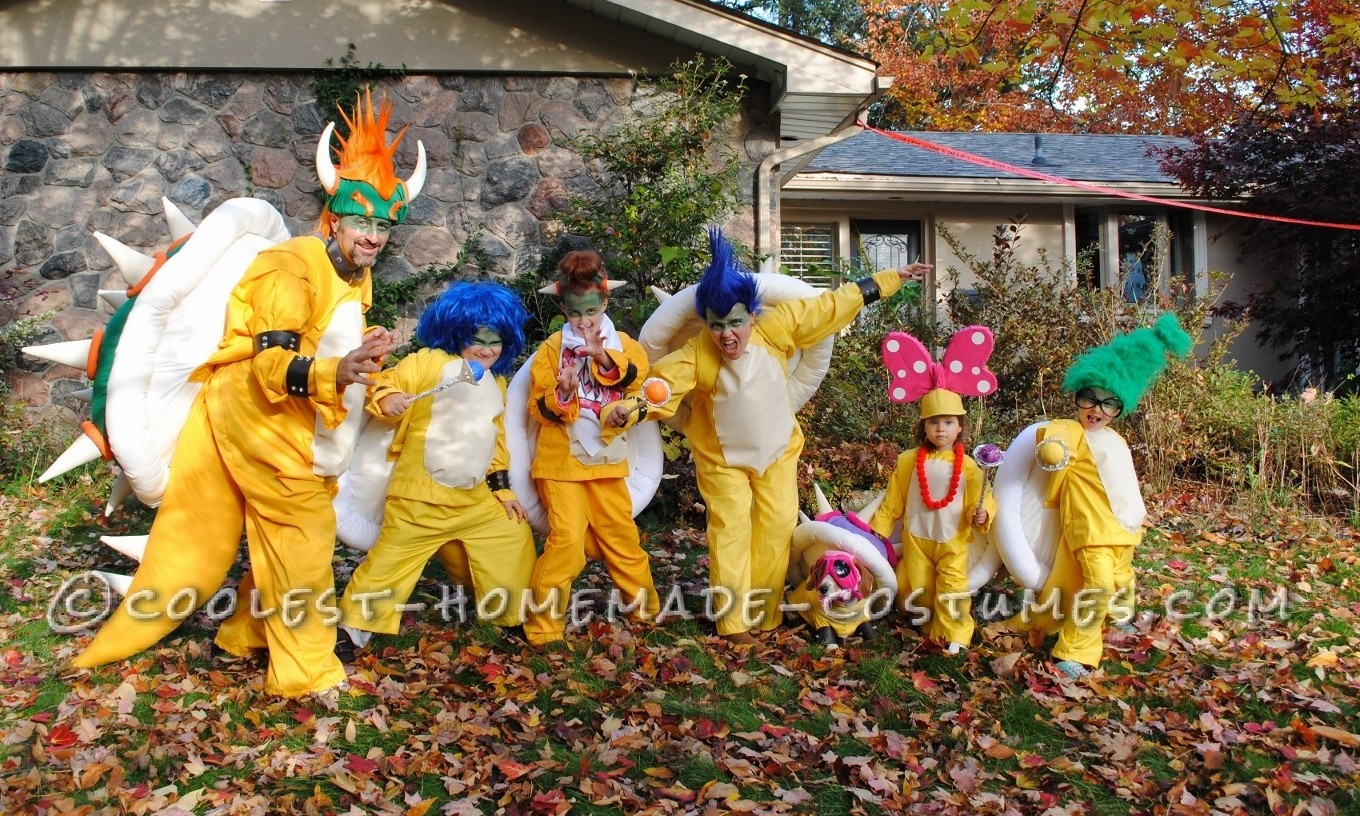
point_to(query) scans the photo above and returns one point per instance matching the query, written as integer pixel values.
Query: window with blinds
(808, 251)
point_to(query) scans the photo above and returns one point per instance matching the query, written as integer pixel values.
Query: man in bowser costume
(272, 427)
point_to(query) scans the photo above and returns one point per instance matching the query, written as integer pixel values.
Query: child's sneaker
(1072, 669)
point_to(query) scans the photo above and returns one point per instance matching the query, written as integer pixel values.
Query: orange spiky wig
(366, 183)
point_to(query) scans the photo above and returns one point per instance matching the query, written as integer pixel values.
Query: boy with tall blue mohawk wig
(450, 489)
(741, 425)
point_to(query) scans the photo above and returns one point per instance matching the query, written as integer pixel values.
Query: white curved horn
(325, 168)
(113, 297)
(176, 220)
(133, 547)
(118, 583)
(74, 353)
(82, 450)
(416, 182)
(122, 488)
(823, 506)
(133, 264)
(660, 294)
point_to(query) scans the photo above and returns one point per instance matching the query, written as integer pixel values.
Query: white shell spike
(867, 511)
(823, 506)
(661, 295)
(74, 353)
(84, 394)
(118, 583)
(133, 547)
(802, 517)
(113, 297)
(82, 450)
(177, 221)
(133, 264)
(122, 488)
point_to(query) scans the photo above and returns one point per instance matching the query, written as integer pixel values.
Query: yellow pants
(478, 544)
(1107, 588)
(286, 603)
(592, 518)
(750, 524)
(936, 574)
(842, 620)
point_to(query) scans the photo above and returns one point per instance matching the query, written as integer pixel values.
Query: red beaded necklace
(953, 480)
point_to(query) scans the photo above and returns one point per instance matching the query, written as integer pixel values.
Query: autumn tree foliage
(1118, 66)
(1303, 164)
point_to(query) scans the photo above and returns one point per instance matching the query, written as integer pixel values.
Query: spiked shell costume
(745, 438)
(265, 438)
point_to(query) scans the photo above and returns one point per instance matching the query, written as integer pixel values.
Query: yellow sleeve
(543, 403)
(894, 506)
(811, 320)
(406, 377)
(679, 370)
(1068, 434)
(630, 367)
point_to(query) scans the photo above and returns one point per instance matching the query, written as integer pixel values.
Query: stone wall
(96, 151)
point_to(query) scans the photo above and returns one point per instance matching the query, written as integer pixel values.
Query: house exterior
(110, 106)
(872, 196)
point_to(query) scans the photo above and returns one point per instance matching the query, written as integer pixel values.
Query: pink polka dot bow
(963, 369)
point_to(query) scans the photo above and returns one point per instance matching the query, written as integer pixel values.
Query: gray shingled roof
(1084, 157)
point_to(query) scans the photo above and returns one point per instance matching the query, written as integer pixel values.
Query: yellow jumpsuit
(252, 455)
(746, 441)
(590, 510)
(932, 573)
(438, 501)
(1092, 574)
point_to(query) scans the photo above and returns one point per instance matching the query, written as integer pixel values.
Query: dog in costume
(734, 380)
(1071, 512)
(271, 427)
(579, 467)
(449, 491)
(841, 574)
(935, 493)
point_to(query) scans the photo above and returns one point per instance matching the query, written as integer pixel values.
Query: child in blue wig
(450, 489)
(741, 425)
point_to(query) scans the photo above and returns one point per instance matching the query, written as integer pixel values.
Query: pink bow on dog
(963, 369)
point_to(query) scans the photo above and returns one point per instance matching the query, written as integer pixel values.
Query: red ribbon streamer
(972, 158)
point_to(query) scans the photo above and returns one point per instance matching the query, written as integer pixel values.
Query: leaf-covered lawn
(1247, 705)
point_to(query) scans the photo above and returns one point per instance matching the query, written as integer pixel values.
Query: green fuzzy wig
(1129, 364)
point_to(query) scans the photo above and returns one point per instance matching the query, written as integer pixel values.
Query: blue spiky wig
(726, 282)
(451, 321)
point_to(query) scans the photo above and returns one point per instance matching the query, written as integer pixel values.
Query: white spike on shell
(113, 297)
(82, 450)
(132, 264)
(74, 353)
(867, 511)
(823, 506)
(84, 394)
(133, 547)
(661, 295)
(118, 583)
(178, 223)
(122, 488)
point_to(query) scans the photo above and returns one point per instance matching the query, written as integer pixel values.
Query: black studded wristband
(277, 338)
(498, 480)
(869, 289)
(296, 378)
